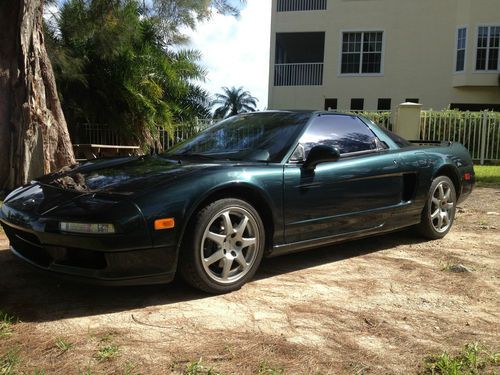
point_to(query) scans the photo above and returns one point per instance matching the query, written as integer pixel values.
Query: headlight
(87, 228)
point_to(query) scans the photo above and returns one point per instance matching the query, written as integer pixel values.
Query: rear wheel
(224, 248)
(439, 211)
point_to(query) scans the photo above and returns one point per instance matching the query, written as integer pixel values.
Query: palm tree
(233, 101)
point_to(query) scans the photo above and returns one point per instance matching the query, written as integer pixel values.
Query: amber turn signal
(167, 223)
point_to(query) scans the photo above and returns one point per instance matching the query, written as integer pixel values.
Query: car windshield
(264, 136)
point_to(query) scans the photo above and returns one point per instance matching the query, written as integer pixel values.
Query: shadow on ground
(35, 296)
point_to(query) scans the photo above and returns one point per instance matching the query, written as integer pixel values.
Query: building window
(411, 100)
(488, 44)
(294, 5)
(362, 52)
(384, 105)
(461, 46)
(330, 104)
(357, 104)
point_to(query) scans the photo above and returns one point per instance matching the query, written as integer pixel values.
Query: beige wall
(418, 57)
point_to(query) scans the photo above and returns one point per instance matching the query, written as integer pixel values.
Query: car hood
(122, 176)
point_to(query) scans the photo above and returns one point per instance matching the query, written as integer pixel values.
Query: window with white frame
(361, 52)
(461, 46)
(488, 45)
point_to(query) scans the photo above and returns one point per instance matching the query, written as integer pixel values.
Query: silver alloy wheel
(442, 206)
(229, 245)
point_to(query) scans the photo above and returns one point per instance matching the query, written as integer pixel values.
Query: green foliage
(8, 362)
(107, 352)
(266, 369)
(63, 345)
(233, 101)
(473, 360)
(6, 322)
(460, 126)
(197, 368)
(112, 67)
(173, 15)
(86, 371)
(382, 118)
(487, 174)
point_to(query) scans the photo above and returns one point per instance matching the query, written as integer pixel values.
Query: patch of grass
(107, 352)
(472, 360)
(130, 369)
(87, 371)
(39, 372)
(266, 369)
(456, 268)
(197, 368)
(6, 322)
(8, 362)
(105, 336)
(487, 174)
(63, 345)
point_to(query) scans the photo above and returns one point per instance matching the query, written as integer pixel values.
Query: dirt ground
(373, 306)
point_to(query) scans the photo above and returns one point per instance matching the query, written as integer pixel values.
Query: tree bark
(34, 137)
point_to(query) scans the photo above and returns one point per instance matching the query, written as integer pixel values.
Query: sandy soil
(374, 306)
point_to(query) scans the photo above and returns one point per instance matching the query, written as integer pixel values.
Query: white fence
(304, 74)
(381, 118)
(95, 134)
(103, 134)
(300, 5)
(183, 131)
(479, 132)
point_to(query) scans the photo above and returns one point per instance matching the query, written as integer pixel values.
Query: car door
(355, 193)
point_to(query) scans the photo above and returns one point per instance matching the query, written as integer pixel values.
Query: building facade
(375, 54)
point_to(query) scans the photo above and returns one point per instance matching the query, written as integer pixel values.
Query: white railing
(479, 132)
(304, 74)
(183, 131)
(300, 5)
(105, 135)
(381, 118)
(95, 134)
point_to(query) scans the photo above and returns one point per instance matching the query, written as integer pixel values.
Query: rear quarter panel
(451, 159)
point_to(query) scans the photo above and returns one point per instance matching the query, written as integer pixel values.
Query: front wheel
(224, 248)
(439, 211)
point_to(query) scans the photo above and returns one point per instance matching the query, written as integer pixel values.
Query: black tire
(434, 227)
(198, 246)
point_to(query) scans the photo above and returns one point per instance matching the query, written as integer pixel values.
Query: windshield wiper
(194, 155)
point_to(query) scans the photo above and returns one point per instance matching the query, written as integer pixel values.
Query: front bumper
(76, 257)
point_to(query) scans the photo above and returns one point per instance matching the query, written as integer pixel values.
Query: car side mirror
(321, 154)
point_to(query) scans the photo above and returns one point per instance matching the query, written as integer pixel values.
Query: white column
(407, 122)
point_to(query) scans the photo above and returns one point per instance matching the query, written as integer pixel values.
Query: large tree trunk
(34, 137)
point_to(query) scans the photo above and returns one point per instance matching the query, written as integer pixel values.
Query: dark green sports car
(254, 185)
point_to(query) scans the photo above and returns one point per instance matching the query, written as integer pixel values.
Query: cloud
(236, 51)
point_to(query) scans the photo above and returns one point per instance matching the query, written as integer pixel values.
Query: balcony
(299, 59)
(300, 5)
(306, 74)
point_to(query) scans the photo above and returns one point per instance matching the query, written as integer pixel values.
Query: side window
(347, 133)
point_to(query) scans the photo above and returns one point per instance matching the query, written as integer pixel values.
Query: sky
(235, 51)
